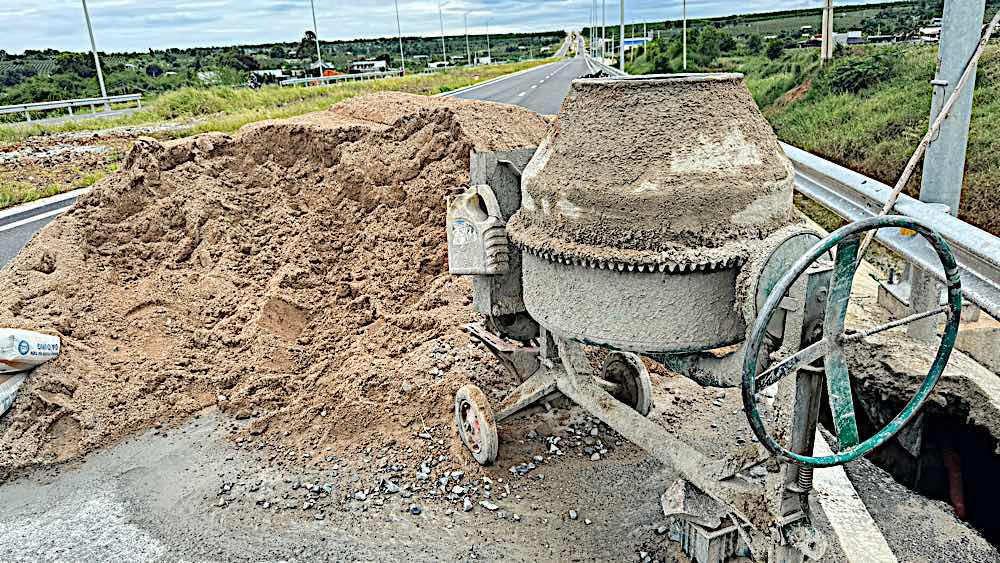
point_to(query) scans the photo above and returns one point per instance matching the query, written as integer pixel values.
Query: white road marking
(534, 86)
(29, 220)
(522, 93)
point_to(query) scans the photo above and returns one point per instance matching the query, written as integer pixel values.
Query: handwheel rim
(755, 341)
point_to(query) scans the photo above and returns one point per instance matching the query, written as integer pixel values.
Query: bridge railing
(315, 80)
(106, 101)
(854, 196)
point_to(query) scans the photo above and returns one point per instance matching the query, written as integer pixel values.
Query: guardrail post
(27, 114)
(944, 163)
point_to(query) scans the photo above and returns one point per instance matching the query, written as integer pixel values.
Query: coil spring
(805, 478)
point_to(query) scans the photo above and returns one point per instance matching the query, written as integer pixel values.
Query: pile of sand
(294, 273)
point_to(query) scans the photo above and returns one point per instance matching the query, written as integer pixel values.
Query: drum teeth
(666, 266)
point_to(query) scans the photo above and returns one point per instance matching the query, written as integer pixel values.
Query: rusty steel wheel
(475, 424)
(631, 377)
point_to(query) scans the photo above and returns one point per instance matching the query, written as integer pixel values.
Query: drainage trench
(941, 456)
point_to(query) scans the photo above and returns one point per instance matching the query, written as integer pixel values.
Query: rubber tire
(485, 452)
(627, 369)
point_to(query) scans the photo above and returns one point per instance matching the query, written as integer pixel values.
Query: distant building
(814, 41)
(369, 66)
(633, 42)
(849, 38)
(208, 76)
(420, 57)
(272, 73)
(484, 60)
(438, 64)
(930, 34)
(877, 39)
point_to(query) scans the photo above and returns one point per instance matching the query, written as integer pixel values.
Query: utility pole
(444, 52)
(468, 53)
(319, 54)
(97, 60)
(685, 40)
(621, 30)
(944, 161)
(489, 52)
(399, 33)
(826, 49)
(604, 29)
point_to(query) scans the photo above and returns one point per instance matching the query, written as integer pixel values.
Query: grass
(227, 109)
(15, 192)
(875, 130)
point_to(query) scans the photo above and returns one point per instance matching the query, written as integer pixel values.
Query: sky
(138, 25)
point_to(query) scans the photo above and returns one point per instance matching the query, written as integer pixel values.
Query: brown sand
(295, 273)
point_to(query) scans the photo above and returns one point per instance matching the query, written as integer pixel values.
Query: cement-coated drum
(641, 204)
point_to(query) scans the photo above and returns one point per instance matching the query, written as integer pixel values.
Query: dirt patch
(791, 96)
(294, 273)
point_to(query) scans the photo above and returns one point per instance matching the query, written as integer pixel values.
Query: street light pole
(621, 30)
(604, 29)
(468, 53)
(444, 52)
(319, 54)
(685, 56)
(97, 60)
(399, 33)
(489, 52)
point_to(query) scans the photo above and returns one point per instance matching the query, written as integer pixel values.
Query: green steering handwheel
(847, 240)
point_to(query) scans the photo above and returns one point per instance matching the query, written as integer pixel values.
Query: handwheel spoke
(840, 287)
(838, 386)
(803, 357)
(854, 336)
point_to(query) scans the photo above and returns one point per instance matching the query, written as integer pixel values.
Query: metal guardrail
(854, 196)
(26, 109)
(597, 66)
(340, 78)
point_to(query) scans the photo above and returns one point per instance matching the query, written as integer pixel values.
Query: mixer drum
(641, 206)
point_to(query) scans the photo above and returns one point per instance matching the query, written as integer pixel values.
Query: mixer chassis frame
(722, 487)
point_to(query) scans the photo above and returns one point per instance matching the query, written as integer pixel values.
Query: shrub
(854, 74)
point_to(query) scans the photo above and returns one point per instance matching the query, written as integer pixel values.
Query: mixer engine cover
(640, 207)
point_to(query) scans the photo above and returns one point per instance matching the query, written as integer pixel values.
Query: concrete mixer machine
(656, 219)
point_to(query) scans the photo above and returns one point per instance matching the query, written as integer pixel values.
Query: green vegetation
(36, 76)
(223, 108)
(869, 109)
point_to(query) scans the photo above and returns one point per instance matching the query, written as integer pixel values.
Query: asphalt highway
(540, 89)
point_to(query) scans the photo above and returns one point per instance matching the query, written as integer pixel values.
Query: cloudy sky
(135, 25)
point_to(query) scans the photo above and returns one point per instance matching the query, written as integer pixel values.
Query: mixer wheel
(627, 371)
(475, 424)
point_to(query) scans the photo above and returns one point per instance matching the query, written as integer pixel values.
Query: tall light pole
(93, 49)
(685, 56)
(399, 33)
(604, 29)
(621, 30)
(468, 53)
(444, 52)
(319, 54)
(489, 52)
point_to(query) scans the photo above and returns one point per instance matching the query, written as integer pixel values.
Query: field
(185, 112)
